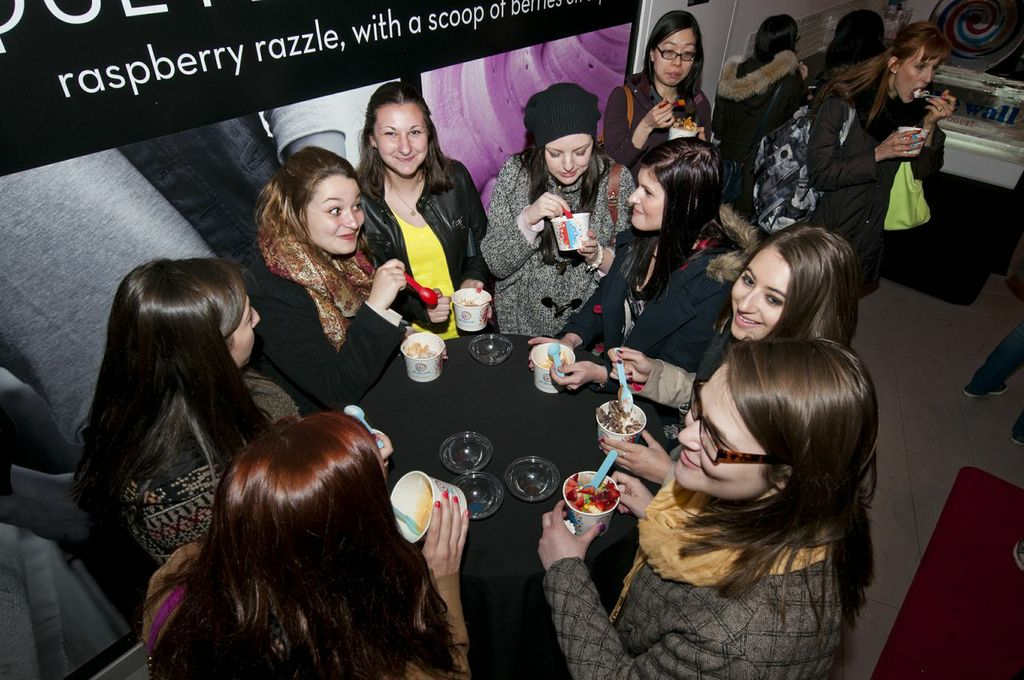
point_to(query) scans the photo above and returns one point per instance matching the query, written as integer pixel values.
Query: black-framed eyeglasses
(672, 55)
(709, 440)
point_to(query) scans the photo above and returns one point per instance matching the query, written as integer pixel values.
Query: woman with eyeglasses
(638, 115)
(758, 549)
(672, 271)
(756, 95)
(539, 286)
(801, 282)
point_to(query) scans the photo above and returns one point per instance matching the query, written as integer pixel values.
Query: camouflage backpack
(783, 195)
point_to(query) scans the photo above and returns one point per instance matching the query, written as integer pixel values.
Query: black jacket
(741, 109)
(855, 187)
(677, 327)
(458, 220)
(294, 352)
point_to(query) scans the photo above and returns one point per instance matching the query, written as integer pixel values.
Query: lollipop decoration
(982, 32)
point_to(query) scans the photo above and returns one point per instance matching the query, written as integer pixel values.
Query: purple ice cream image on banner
(477, 106)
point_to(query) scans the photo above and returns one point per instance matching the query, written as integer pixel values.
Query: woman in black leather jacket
(420, 206)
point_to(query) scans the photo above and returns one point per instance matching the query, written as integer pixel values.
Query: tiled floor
(921, 352)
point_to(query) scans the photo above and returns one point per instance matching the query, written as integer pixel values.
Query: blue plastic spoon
(555, 352)
(602, 471)
(360, 415)
(409, 522)
(625, 395)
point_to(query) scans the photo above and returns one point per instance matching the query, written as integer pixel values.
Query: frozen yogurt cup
(583, 511)
(542, 365)
(617, 426)
(423, 356)
(471, 308)
(569, 234)
(414, 495)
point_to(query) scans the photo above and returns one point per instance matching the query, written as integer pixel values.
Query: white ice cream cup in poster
(470, 308)
(580, 520)
(423, 356)
(569, 234)
(413, 501)
(542, 365)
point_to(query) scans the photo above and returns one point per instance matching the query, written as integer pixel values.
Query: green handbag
(907, 207)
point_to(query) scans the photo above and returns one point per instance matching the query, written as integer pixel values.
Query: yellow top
(430, 269)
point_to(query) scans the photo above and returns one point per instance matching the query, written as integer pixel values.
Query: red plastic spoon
(428, 296)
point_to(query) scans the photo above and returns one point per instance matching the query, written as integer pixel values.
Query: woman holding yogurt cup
(892, 126)
(344, 595)
(799, 283)
(671, 272)
(758, 550)
(328, 330)
(421, 207)
(539, 284)
(672, 72)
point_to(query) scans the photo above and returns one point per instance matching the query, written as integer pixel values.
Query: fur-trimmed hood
(728, 266)
(758, 82)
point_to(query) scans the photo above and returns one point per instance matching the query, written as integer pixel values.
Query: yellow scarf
(663, 534)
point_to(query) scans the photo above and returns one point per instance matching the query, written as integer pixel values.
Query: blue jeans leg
(1006, 357)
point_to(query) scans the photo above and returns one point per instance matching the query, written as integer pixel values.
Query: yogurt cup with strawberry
(586, 506)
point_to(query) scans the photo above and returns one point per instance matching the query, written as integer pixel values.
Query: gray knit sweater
(523, 278)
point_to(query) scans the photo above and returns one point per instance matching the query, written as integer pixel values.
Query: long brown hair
(304, 572)
(281, 207)
(824, 282)
(875, 72)
(812, 404)
(167, 379)
(371, 166)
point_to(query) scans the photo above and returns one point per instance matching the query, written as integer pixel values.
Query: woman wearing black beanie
(539, 285)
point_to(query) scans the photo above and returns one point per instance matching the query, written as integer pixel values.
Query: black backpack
(783, 195)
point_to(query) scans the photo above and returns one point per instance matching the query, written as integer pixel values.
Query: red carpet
(963, 616)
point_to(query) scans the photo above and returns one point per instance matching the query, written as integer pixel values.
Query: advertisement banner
(78, 76)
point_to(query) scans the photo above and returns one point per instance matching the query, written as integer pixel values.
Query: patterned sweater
(164, 514)
(533, 298)
(668, 629)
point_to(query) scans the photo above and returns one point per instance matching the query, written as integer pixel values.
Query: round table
(507, 616)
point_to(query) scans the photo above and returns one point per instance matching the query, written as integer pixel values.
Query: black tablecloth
(508, 619)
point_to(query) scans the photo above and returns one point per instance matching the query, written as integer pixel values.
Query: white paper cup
(569, 234)
(542, 365)
(423, 366)
(678, 132)
(580, 522)
(913, 129)
(610, 435)
(471, 308)
(414, 496)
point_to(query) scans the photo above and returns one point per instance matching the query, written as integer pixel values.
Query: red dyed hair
(304, 572)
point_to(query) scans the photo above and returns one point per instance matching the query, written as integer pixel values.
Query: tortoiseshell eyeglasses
(709, 439)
